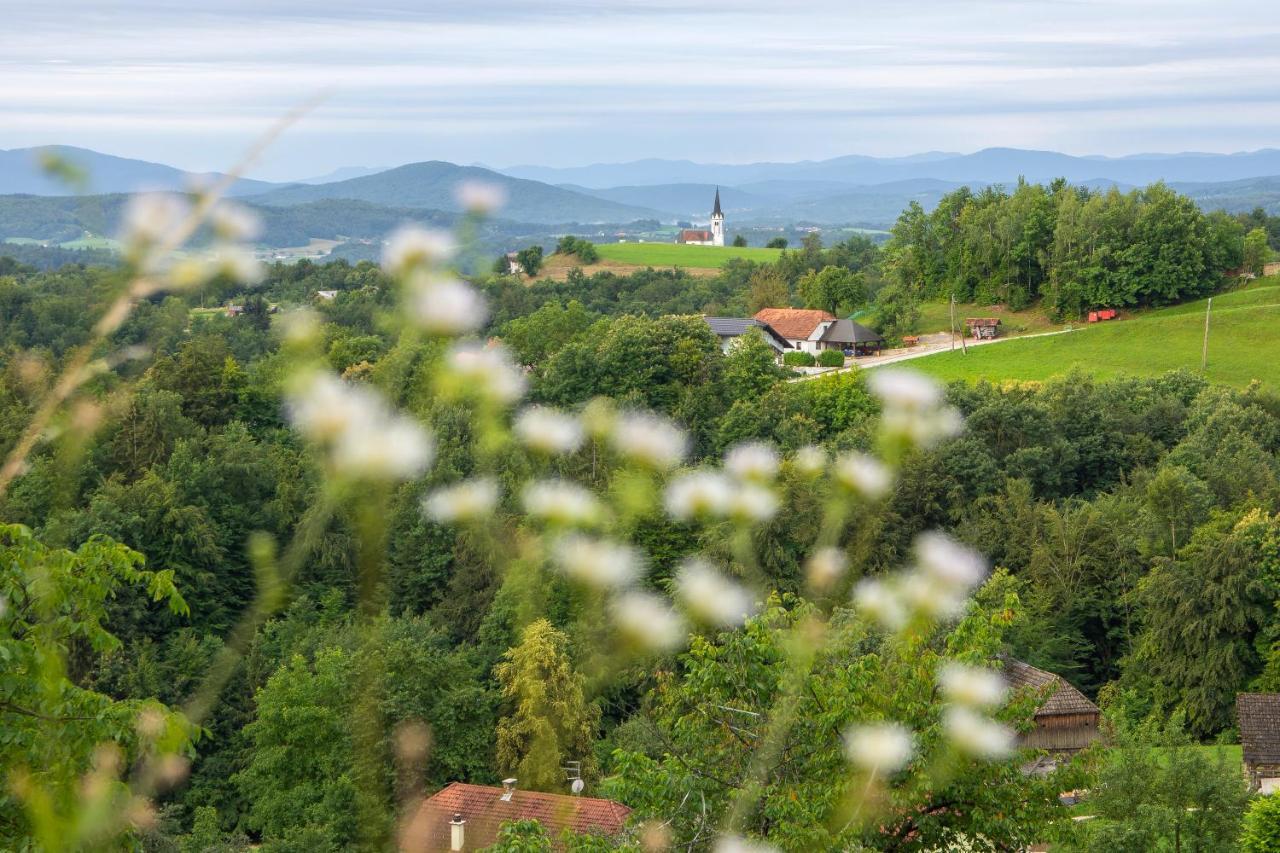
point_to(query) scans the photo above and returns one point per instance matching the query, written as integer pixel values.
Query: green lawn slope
(679, 255)
(1244, 344)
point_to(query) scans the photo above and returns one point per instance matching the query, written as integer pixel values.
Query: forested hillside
(305, 562)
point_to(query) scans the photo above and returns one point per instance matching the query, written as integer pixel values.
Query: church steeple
(715, 211)
(717, 222)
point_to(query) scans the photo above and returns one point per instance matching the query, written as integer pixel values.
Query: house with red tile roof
(464, 817)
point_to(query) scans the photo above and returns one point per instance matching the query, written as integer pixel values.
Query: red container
(1093, 316)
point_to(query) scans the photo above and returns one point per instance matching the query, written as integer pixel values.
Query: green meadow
(677, 255)
(1244, 345)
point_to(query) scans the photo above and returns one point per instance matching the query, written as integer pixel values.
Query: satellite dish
(577, 786)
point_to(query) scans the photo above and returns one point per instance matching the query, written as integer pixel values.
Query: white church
(699, 237)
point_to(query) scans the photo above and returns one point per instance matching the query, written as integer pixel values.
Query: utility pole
(1204, 353)
(953, 321)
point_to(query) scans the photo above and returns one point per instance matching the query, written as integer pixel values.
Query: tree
(1256, 251)
(530, 260)
(739, 241)
(897, 311)
(834, 289)
(1157, 791)
(767, 290)
(751, 366)
(1261, 826)
(776, 243)
(549, 719)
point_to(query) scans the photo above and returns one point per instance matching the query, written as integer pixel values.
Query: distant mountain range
(20, 172)
(854, 190)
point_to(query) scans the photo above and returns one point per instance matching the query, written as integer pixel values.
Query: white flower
(398, 448)
(238, 265)
(481, 197)
(235, 222)
(879, 748)
(443, 304)
(753, 503)
(301, 326)
(711, 596)
(810, 460)
(410, 247)
(548, 430)
(323, 407)
(924, 595)
(649, 439)
(648, 620)
(752, 460)
(464, 501)
(597, 562)
(976, 735)
(949, 562)
(698, 494)
(975, 686)
(487, 371)
(826, 565)
(880, 602)
(904, 389)
(738, 844)
(150, 217)
(560, 502)
(864, 474)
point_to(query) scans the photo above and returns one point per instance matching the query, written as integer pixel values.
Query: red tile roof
(693, 234)
(484, 810)
(795, 324)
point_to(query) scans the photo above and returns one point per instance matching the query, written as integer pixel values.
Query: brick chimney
(457, 832)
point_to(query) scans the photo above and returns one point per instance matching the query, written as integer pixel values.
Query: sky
(569, 82)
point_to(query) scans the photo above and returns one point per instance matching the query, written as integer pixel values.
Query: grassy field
(677, 255)
(1243, 345)
(936, 317)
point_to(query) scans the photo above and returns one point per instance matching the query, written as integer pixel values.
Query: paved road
(921, 351)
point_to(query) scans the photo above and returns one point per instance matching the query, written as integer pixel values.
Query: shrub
(1262, 825)
(798, 359)
(831, 358)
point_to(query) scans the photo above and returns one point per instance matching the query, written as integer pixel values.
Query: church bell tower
(717, 222)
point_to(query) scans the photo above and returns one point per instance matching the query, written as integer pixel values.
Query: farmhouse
(730, 329)
(1258, 715)
(713, 237)
(983, 328)
(1066, 721)
(468, 817)
(811, 330)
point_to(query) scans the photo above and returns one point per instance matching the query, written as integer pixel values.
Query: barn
(1258, 715)
(1066, 721)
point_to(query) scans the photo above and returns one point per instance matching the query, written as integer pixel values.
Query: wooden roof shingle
(1258, 715)
(1062, 697)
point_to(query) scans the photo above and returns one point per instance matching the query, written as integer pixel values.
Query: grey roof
(732, 327)
(1259, 717)
(1060, 698)
(849, 332)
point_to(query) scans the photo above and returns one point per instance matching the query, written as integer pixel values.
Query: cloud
(567, 81)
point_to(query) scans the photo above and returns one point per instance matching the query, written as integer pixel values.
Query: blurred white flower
(738, 844)
(487, 371)
(699, 494)
(560, 502)
(443, 304)
(753, 503)
(548, 430)
(300, 326)
(878, 601)
(923, 594)
(826, 565)
(711, 596)
(597, 562)
(649, 439)
(235, 222)
(323, 407)
(411, 246)
(467, 500)
(810, 460)
(397, 448)
(239, 265)
(481, 197)
(149, 218)
(879, 748)
(975, 686)
(949, 562)
(599, 418)
(752, 460)
(976, 735)
(648, 620)
(865, 474)
(904, 389)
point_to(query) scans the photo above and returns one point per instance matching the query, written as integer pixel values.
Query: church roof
(715, 211)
